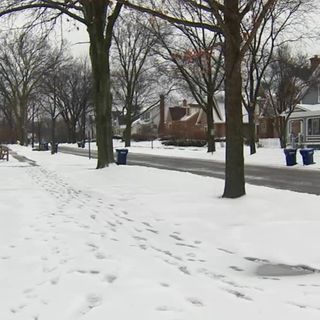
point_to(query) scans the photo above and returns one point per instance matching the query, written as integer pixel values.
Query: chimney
(314, 62)
(184, 102)
(161, 127)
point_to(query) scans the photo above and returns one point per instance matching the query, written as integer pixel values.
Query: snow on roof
(220, 102)
(190, 116)
(309, 107)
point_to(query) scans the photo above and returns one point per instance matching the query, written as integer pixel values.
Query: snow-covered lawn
(145, 244)
(271, 154)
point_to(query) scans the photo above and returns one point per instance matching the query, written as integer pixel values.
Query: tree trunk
(83, 127)
(127, 132)
(99, 56)
(210, 123)
(283, 132)
(20, 130)
(234, 174)
(252, 131)
(53, 135)
(21, 118)
(127, 135)
(73, 132)
(281, 127)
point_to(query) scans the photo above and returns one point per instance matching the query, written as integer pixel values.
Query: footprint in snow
(110, 278)
(165, 285)
(100, 256)
(174, 236)
(152, 230)
(94, 300)
(167, 308)
(195, 301)
(55, 280)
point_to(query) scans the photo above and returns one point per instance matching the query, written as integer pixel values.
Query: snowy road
(81, 244)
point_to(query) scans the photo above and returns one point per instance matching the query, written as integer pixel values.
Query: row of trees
(194, 64)
(192, 61)
(232, 25)
(38, 81)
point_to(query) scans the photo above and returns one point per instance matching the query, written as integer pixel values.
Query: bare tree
(285, 82)
(23, 63)
(99, 17)
(286, 16)
(70, 92)
(134, 77)
(226, 18)
(48, 95)
(196, 59)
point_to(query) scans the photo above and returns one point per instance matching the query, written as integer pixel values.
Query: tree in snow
(24, 61)
(226, 18)
(99, 18)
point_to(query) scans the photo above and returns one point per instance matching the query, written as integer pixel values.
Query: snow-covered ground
(139, 243)
(270, 154)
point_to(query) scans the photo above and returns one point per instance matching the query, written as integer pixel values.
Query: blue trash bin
(291, 156)
(54, 147)
(121, 156)
(307, 156)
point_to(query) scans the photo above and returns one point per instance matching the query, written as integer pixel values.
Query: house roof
(194, 115)
(306, 110)
(179, 113)
(220, 103)
(308, 107)
(315, 75)
(176, 113)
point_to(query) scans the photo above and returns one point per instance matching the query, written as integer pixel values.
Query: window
(145, 116)
(263, 127)
(295, 127)
(314, 127)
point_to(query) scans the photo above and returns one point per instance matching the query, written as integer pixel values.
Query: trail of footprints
(67, 197)
(113, 224)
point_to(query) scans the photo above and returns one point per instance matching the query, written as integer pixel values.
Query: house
(184, 121)
(266, 120)
(304, 122)
(150, 122)
(189, 121)
(304, 125)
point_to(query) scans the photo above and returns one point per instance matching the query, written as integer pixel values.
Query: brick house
(189, 120)
(184, 121)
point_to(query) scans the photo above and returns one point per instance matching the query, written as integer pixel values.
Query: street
(286, 178)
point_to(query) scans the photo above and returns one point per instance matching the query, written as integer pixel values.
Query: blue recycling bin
(291, 156)
(54, 147)
(307, 156)
(122, 156)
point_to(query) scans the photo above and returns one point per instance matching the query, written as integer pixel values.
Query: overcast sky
(77, 36)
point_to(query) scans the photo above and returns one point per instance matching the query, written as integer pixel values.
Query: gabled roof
(306, 110)
(307, 107)
(176, 113)
(315, 75)
(194, 116)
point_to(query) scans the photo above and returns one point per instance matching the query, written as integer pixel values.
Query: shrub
(184, 143)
